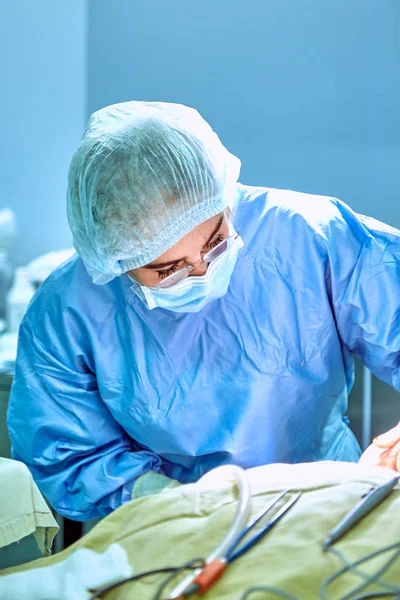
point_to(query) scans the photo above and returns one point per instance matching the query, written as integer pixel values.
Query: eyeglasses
(212, 255)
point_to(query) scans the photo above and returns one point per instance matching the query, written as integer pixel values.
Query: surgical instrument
(365, 505)
(215, 568)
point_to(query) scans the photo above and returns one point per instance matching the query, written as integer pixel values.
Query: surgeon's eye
(220, 238)
(172, 269)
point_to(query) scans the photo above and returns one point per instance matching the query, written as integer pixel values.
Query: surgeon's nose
(201, 269)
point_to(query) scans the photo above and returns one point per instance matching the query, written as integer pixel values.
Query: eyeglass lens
(183, 273)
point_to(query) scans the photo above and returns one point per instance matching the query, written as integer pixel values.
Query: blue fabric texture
(106, 389)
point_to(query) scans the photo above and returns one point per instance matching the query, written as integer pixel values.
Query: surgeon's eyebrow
(175, 262)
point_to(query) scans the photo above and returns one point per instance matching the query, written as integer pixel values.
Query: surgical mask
(194, 292)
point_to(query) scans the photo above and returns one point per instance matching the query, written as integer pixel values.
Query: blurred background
(305, 92)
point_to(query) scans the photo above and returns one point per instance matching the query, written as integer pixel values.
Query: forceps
(213, 570)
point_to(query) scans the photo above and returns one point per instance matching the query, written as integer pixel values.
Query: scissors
(213, 571)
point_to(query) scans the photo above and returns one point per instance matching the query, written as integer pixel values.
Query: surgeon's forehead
(164, 260)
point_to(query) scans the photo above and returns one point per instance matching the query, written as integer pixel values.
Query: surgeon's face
(188, 251)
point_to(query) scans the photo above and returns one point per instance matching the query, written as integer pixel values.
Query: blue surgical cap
(143, 176)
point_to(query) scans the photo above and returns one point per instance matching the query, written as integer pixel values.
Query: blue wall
(306, 93)
(110, 35)
(42, 115)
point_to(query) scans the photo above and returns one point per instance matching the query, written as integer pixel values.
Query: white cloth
(69, 579)
(23, 509)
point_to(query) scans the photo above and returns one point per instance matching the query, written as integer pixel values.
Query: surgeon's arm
(365, 281)
(80, 457)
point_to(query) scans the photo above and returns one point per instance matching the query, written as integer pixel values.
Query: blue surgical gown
(105, 389)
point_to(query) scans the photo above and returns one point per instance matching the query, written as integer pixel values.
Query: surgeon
(201, 321)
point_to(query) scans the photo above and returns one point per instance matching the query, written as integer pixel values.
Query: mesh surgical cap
(143, 176)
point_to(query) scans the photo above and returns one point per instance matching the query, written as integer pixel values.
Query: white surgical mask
(193, 293)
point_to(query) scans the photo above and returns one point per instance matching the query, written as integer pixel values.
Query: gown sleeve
(83, 461)
(363, 276)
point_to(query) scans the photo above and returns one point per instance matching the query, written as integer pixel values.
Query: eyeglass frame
(190, 268)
